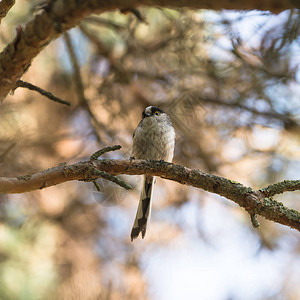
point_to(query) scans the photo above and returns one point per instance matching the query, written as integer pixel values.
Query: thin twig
(80, 87)
(136, 12)
(118, 181)
(49, 95)
(99, 153)
(288, 120)
(254, 220)
(96, 185)
(104, 22)
(76, 69)
(281, 187)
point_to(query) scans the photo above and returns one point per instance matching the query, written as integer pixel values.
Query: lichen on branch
(254, 202)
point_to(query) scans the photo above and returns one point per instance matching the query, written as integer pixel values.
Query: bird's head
(151, 111)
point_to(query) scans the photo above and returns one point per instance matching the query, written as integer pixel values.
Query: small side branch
(99, 153)
(254, 202)
(47, 94)
(281, 187)
(105, 175)
(254, 220)
(136, 12)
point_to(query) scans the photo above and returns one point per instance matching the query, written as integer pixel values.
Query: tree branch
(79, 87)
(76, 69)
(288, 120)
(58, 16)
(103, 22)
(281, 187)
(254, 202)
(5, 6)
(49, 95)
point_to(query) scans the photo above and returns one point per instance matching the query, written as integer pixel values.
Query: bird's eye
(156, 113)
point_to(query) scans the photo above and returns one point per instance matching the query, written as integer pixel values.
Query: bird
(153, 139)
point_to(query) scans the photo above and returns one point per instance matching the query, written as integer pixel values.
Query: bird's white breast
(154, 138)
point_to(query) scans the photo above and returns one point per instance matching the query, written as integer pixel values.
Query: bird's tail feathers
(143, 214)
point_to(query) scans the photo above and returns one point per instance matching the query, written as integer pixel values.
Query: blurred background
(230, 82)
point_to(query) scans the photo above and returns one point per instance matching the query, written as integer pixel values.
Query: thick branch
(60, 15)
(5, 6)
(252, 201)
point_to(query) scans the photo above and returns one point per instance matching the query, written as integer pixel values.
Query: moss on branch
(254, 202)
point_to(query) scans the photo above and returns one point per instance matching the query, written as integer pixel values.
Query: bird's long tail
(143, 214)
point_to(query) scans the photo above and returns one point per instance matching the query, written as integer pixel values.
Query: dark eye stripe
(155, 109)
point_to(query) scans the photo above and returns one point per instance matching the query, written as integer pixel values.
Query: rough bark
(253, 201)
(5, 6)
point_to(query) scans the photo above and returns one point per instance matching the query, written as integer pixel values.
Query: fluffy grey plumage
(154, 138)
